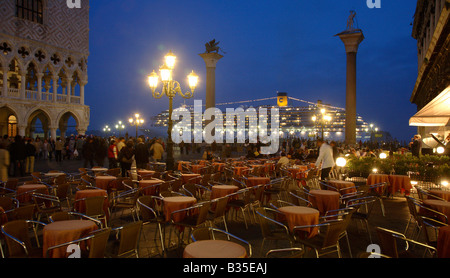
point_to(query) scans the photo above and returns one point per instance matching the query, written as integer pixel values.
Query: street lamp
(106, 129)
(322, 118)
(170, 88)
(120, 126)
(137, 121)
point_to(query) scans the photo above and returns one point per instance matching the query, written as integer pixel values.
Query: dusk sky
(286, 46)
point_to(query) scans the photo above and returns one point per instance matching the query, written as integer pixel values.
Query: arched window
(32, 10)
(12, 126)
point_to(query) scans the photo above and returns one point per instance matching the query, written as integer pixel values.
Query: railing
(43, 97)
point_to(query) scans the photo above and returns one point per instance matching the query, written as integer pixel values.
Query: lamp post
(322, 118)
(107, 129)
(170, 88)
(137, 121)
(120, 126)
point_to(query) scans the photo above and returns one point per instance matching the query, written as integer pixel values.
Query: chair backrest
(430, 228)
(24, 212)
(60, 179)
(60, 216)
(388, 242)
(367, 201)
(221, 207)
(18, 229)
(267, 217)
(203, 211)
(62, 190)
(12, 184)
(98, 244)
(333, 231)
(94, 205)
(177, 184)
(129, 239)
(7, 203)
(147, 208)
(412, 208)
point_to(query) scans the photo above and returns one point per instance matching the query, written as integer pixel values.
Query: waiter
(325, 158)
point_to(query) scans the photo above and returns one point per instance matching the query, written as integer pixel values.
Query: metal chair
(18, 241)
(358, 204)
(128, 236)
(95, 208)
(149, 213)
(286, 253)
(271, 229)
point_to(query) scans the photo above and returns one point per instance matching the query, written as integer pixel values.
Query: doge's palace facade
(44, 49)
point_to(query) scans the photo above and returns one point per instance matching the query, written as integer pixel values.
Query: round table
(438, 205)
(54, 174)
(377, 178)
(400, 183)
(175, 203)
(187, 177)
(60, 232)
(255, 181)
(241, 170)
(344, 187)
(99, 169)
(104, 181)
(181, 163)
(218, 191)
(214, 249)
(148, 186)
(196, 168)
(296, 172)
(443, 242)
(220, 166)
(145, 173)
(441, 194)
(301, 216)
(22, 192)
(325, 200)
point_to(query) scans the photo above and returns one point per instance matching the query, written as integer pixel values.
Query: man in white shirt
(325, 158)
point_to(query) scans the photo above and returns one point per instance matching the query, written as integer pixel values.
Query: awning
(435, 113)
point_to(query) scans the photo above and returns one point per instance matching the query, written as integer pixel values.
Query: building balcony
(35, 96)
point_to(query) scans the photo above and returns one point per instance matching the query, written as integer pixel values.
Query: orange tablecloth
(441, 206)
(204, 249)
(373, 179)
(60, 232)
(145, 173)
(443, 242)
(254, 181)
(218, 191)
(81, 194)
(181, 163)
(301, 216)
(148, 189)
(344, 187)
(104, 181)
(175, 203)
(325, 200)
(400, 183)
(297, 171)
(441, 194)
(196, 168)
(221, 165)
(241, 170)
(186, 177)
(24, 197)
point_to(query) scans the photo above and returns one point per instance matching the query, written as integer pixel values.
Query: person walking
(59, 147)
(30, 151)
(88, 153)
(158, 150)
(126, 158)
(142, 154)
(325, 159)
(18, 156)
(4, 162)
(112, 154)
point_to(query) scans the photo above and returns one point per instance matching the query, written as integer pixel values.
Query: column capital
(211, 59)
(351, 40)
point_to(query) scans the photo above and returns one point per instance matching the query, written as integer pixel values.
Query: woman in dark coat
(126, 158)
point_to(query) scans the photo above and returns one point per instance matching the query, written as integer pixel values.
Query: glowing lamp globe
(341, 162)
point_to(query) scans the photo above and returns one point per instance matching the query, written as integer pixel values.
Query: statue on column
(351, 20)
(212, 46)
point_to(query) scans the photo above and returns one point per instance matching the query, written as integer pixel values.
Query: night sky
(286, 46)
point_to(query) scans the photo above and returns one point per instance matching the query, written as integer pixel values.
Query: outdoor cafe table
(344, 187)
(441, 194)
(241, 170)
(196, 168)
(324, 200)
(60, 232)
(443, 242)
(373, 179)
(218, 191)
(254, 181)
(186, 177)
(181, 163)
(206, 249)
(54, 174)
(145, 173)
(295, 171)
(400, 183)
(82, 194)
(24, 192)
(103, 181)
(438, 205)
(221, 165)
(175, 203)
(99, 169)
(301, 216)
(148, 186)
